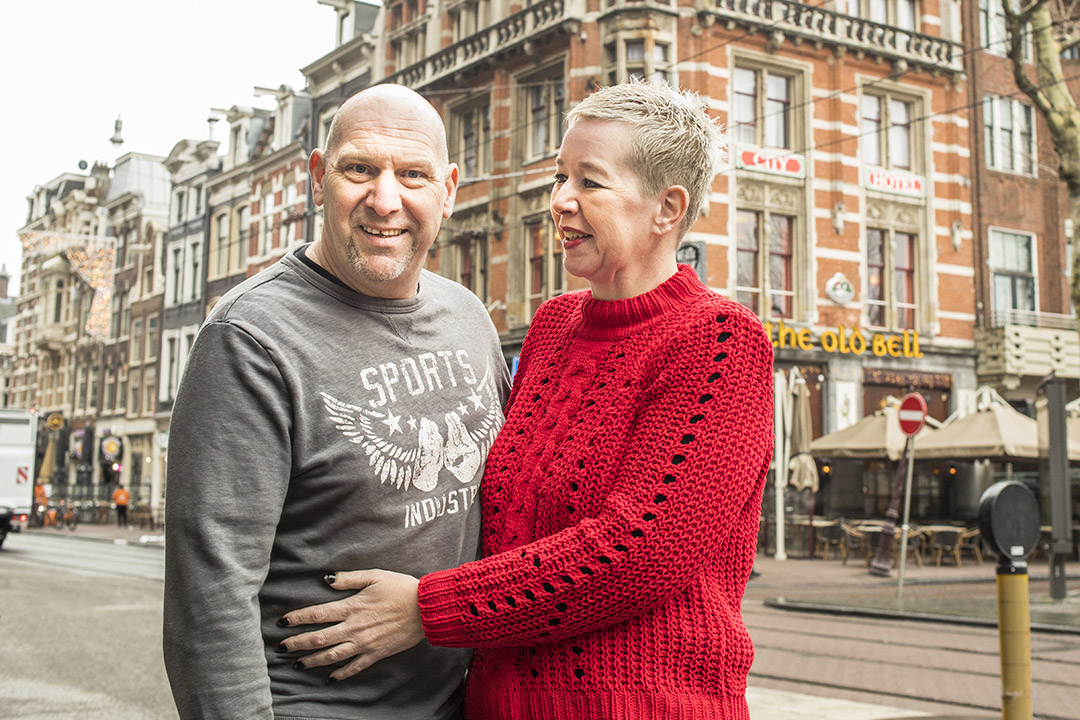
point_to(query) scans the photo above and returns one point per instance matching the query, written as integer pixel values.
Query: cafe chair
(944, 542)
(829, 536)
(854, 541)
(970, 541)
(916, 539)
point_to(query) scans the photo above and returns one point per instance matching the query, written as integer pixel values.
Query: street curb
(781, 603)
(159, 544)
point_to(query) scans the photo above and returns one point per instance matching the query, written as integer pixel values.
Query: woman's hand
(381, 620)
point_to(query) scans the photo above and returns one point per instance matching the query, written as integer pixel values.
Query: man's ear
(317, 171)
(451, 191)
(674, 202)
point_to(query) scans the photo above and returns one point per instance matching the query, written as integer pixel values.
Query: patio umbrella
(803, 470)
(995, 431)
(874, 437)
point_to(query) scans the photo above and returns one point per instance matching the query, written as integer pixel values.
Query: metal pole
(1054, 483)
(881, 564)
(910, 451)
(780, 393)
(1014, 628)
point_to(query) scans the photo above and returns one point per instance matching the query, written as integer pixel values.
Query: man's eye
(357, 168)
(414, 174)
(560, 178)
(590, 184)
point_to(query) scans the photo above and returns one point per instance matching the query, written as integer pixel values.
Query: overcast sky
(69, 67)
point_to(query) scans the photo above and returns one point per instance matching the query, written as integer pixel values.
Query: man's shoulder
(443, 288)
(256, 296)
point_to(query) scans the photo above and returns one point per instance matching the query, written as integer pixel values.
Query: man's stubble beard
(373, 268)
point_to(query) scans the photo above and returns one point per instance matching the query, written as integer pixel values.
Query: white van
(18, 442)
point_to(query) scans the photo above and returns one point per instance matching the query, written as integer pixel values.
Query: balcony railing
(816, 24)
(498, 38)
(1029, 318)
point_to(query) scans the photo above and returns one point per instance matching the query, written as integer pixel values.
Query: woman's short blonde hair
(675, 142)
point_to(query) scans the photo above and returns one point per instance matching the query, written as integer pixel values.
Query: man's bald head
(397, 101)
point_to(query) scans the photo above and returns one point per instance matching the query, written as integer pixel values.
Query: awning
(875, 437)
(995, 432)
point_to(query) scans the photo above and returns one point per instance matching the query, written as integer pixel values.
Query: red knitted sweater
(620, 506)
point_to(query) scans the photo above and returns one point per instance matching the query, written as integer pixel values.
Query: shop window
(1012, 269)
(890, 277)
(886, 132)
(1009, 134)
(761, 108)
(545, 276)
(765, 244)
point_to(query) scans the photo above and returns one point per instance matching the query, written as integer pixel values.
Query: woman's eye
(560, 178)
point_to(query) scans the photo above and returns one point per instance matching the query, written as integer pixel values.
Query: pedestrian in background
(121, 498)
(621, 498)
(336, 411)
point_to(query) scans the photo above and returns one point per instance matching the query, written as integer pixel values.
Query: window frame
(889, 270)
(475, 113)
(618, 67)
(762, 257)
(992, 131)
(885, 131)
(552, 273)
(996, 267)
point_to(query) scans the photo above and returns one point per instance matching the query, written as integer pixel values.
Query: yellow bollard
(1014, 629)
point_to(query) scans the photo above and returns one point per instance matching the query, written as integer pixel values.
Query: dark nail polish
(283, 622)
(330, 578)
(298, 665)
(331, 680)
(282, 648)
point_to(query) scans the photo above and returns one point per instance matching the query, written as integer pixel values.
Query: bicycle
(61, 516)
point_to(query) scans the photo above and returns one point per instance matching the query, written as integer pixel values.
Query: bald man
(335, 412)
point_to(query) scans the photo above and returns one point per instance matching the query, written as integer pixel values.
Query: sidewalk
(964, 595)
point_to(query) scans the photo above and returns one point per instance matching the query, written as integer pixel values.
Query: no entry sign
(912, 413)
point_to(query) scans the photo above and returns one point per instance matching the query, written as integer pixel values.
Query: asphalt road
(80, 627)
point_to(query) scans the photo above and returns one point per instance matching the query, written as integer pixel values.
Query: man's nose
(385, 196)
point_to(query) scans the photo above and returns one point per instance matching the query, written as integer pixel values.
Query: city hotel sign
(772, 162)
(846, 341)
(895, 182)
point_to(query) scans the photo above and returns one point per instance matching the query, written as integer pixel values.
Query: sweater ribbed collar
(618, 317)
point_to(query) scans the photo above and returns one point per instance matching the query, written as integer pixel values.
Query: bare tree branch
(1025, 12)
(1069, 43)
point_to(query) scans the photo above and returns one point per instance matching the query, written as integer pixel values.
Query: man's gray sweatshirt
(319, 430)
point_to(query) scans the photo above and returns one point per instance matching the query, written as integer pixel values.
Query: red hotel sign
(894, 181)
(774, 162)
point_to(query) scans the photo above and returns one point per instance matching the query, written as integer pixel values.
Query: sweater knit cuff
(440, 609)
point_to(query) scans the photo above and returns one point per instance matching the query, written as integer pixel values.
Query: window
(1009, 135)
(198, 200)
(640, 58)
(220, 252)
(469, 17)
(994, 32)
(179, 203)
(195, 278)
(149, 395)
(899, 13)
(242, 237)
(890, 278)
(137, 341)
(58, 306)
(545, 278)
(177, 270)
(171, 377)
(266, 235)
(764, 252)
(151, 337)
(761, 108)
(1012, 269)
(473, 140)
(470, 262)
(547, 106)
(886, 132)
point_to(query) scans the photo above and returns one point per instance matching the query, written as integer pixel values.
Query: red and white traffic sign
(22, 474)
(912, 413)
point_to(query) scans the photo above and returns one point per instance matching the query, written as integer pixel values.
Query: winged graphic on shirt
(460, 451)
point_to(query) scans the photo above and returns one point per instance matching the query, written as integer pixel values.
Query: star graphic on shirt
(462, 409)
(391, 421)
(411, 423)
(477, 402)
